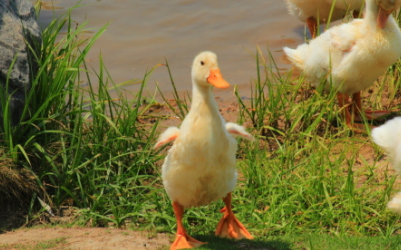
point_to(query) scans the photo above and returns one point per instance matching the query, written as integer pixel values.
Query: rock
(18, 27)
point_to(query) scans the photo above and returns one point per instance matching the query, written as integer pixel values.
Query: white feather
(388, 137)
(347, 4)
(167, 136)
(395, 204)
(238, 130)
(321, 9)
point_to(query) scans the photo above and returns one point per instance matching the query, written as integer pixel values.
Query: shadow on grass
(216, 243)
(12, 216)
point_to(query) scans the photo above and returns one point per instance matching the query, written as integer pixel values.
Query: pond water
(144, 33)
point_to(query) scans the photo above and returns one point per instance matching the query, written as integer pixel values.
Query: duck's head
(386, 7)
(389, 5)
(206, 71)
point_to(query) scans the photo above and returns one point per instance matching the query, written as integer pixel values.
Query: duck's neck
(372, 13)
(203, 100)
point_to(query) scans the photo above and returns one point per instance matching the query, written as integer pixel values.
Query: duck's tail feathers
(238, 130)
(167, 136)
(293, 56)
(385, 135)
(395, 204)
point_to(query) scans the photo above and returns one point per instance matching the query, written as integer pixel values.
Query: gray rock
(18, 27)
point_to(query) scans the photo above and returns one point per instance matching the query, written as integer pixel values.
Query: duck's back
(353, 54)
(319, 9)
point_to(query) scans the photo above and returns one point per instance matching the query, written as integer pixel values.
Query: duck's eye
(202, 63)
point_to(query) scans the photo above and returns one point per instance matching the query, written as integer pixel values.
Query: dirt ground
(82, 238)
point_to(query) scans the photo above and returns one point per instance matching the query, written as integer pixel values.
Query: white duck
(388, 137)
(350, 5)
(200, 166)
(352, 55)
(315, 12)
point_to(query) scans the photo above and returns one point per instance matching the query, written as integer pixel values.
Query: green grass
(305, 183)
(49, 244)
(300, 242)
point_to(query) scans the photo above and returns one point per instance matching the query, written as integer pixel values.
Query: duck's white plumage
(200, 166)
(388, 137)
(352, 54)
(318, 9)
(347, 4)
(315, 12)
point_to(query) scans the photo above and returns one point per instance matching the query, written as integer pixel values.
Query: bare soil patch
(82, 238)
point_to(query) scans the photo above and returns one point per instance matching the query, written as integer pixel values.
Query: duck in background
(388, 137)
(200, 166)
(350, 5)
(350, 57)
(315, 12)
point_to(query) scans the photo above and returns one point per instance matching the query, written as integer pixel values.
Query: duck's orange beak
(383, 17)
(216, 79)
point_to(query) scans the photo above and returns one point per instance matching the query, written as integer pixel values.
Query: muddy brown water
(144, 33)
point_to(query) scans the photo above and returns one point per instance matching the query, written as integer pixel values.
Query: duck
(315, 12)
(388, 137)
(200, 165)
(350, 5)
(351, 56)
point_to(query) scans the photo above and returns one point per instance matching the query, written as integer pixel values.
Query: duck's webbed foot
(185, 241)
(229, 226)
(182, 239)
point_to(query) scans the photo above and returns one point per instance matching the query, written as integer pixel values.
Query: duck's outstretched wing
(238, 130)
(167, 136)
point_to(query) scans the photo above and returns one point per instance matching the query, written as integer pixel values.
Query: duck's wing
(238, 130)
(345, 36)
(335, 51)
(167, 136)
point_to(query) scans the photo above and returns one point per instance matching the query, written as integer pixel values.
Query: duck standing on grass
(315, 12)
(200, 166)
(388, 137)
(351, 56)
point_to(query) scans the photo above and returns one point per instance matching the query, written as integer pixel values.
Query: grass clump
(79, 145)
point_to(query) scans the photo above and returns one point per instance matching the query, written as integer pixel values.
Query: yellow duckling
(200, 166)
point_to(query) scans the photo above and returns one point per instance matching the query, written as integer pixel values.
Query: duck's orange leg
(355, 14)
(312, 25)
(349, 120)
(182, 239)
(358, 111)
(229, 226)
